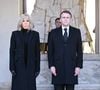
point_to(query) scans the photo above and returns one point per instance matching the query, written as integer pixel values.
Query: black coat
(65, 56)
(24, 76)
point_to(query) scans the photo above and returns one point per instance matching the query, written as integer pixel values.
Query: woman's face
(26, 24)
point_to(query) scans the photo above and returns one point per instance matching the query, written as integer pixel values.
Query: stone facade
(45, 12)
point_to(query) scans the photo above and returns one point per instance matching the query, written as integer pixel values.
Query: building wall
(99, 26)
(8, 20)
(45, 12)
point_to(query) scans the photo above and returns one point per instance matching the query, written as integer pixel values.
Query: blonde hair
(24, 16)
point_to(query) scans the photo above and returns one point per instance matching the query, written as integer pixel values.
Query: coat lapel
(59, 31)
(29, 36)
(70, 33)
(60, 35)
(21, 37)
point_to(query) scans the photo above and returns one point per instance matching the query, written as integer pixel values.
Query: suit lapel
(70, 33)
(59, 31)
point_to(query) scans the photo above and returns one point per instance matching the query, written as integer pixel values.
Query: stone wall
(45, 12)
(8, 22)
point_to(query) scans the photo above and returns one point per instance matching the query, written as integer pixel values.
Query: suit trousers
(64, 87)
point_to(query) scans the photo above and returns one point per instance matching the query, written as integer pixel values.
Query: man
(57, 22)
(65, 54)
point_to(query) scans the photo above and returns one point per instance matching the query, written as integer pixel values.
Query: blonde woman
(24, 55)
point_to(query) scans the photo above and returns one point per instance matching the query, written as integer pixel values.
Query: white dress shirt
(64, 31)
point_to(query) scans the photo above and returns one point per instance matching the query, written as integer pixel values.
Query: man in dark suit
(65, 54)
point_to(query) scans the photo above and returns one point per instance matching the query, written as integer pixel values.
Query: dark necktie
(65, 34)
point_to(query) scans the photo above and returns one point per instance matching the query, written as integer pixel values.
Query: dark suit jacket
(65, 57)
(25, 75)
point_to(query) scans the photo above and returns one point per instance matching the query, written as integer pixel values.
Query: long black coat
(65, 57)
(25, 75)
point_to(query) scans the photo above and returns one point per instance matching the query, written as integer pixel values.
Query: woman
(24, 55)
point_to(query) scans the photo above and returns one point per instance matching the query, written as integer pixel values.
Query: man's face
(65, 19)
(58, 23)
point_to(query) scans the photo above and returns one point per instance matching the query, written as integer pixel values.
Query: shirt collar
(64, 31)
(65, 27)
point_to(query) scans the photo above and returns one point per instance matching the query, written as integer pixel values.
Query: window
(30, 6)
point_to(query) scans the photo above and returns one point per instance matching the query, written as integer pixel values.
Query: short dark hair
(57, 19)
(65, 11)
